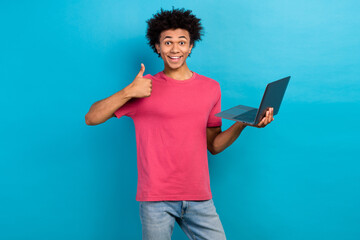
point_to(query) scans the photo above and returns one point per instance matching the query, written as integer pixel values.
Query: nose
(174, 48)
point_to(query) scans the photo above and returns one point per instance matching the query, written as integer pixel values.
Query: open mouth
(174, 58)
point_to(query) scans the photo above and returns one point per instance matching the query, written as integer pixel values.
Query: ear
(191, 46)
(157, 46)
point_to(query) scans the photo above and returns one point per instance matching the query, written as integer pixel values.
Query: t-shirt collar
(169, 79)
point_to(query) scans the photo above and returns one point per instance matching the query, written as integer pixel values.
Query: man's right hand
(141, 87)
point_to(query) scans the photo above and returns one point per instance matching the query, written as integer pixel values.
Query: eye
(182, 43)
(167, 43)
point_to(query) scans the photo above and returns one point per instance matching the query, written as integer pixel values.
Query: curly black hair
(173, 19)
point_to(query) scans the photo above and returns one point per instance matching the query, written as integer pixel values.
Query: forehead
(175, 33)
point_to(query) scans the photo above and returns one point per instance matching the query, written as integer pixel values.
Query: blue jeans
(198, 219)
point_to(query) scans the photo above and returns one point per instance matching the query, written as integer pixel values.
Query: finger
(268, 116)
(272, 114)
(261, 123)
(142, 70)
(265, 123)
(267, 119)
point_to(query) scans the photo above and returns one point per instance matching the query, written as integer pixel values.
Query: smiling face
(174, 48)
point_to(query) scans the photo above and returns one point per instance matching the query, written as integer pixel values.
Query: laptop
(272, 97)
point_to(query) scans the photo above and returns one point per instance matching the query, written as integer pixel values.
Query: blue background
(298, 178)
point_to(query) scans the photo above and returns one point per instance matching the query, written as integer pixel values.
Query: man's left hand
(269, 117)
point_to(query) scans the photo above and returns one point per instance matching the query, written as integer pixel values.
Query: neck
(181, 73)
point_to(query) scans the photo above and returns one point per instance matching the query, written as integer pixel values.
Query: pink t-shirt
(170, 128)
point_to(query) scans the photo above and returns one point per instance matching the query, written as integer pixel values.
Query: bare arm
(104, 109)
(218, 141)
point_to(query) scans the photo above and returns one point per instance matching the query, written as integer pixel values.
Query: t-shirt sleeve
(214, 121)
(128, 109)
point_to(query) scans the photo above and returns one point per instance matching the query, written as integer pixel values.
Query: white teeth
(174, 57)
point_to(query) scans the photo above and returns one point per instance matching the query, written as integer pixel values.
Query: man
(173, 113)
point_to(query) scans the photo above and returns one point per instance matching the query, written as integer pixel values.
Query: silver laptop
(273, 96)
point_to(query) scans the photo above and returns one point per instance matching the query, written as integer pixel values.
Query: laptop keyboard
(248, 116)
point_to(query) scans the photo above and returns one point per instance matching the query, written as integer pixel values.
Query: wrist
(240, 125)
(128, 92)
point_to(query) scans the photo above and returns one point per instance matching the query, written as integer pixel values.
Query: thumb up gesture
(141, 87)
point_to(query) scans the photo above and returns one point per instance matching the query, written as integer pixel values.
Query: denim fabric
(198, 219)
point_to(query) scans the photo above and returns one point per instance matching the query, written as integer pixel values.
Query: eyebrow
(171, 37)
